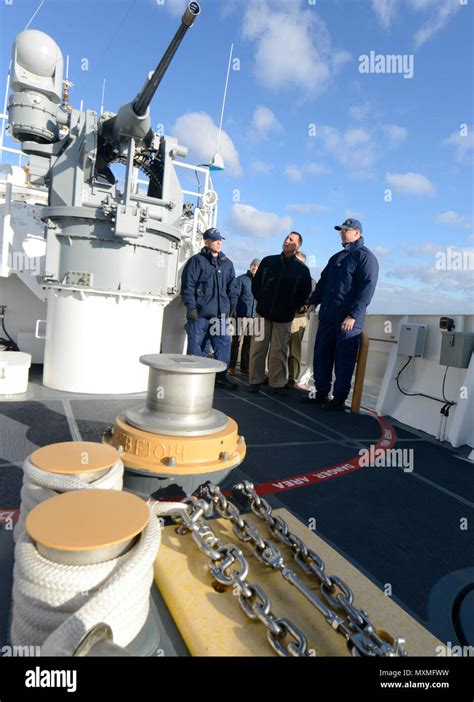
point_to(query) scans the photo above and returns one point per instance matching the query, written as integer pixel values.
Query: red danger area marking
(386, 441)
(9, 516)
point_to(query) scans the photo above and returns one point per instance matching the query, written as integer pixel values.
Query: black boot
(254, 388)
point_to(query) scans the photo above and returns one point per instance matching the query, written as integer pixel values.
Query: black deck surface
(398, 527)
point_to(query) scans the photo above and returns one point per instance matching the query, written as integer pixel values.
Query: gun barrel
(143, 99)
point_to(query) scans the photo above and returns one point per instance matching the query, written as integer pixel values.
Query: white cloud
(428, 247)
(453, 219)
(381, 250)
(353, 137)
(423, 4)
(429, 274)
(391, 298)
(463, 141)
(354, 149)
(360, 112)
(410, 183)
(315, 168)
(175, 7)
(385, 11)
(293, 173)
(292, 47)
(307, 208)
(245, 219)
(243, 249)
(442, 11)
(261, 167)
(264, 123)
(396, 135)
(197, 131)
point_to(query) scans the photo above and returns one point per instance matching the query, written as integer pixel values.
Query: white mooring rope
(55, 605)
(39, 485)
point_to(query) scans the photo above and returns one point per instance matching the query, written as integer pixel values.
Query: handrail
(360, 373)
(384, 341)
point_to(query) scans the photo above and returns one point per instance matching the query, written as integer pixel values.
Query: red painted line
(8, 516)
(387, 439)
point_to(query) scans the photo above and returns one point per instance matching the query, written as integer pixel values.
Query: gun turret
(145, 96)
(118, 247)
(132, 120)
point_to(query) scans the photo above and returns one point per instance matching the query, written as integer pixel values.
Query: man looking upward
(344, 291)
(281, 286)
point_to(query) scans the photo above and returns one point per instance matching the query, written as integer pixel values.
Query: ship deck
(402, 528)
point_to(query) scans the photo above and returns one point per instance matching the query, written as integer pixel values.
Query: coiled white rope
(39, 485)
(55, 605)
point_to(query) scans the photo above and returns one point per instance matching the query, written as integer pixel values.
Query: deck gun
(87, 215)
(113, 252)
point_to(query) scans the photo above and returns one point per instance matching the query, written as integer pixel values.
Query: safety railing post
(360, 372)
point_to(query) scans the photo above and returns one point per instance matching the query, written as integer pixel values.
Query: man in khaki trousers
(298, 327)
(281, 286)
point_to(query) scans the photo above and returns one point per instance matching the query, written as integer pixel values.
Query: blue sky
(308, 138)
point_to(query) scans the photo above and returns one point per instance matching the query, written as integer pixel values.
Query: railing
(7, 149)
(360, 373)
(205, 215)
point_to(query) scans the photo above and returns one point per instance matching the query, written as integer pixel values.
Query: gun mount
(112, 255)
(132, 120)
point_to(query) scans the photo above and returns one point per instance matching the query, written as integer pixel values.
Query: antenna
(225, 97)
(34, 14)
(102, 101)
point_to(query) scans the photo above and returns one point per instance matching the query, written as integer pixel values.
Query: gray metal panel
(456, 349)
(412, 339)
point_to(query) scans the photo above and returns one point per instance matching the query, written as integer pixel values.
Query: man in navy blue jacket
(344, 291)
(245, 312)
(208, 291)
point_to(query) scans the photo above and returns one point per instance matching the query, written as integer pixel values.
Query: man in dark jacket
(344, 291)
(281, 286)
(208, 291)
(245, 312)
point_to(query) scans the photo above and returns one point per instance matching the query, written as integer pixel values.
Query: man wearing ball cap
(209, 293)
(344, 292)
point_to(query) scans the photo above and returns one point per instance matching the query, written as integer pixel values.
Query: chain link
(229, 568)
(335, 599)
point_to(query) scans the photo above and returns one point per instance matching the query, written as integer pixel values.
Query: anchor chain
(229, 568)
(335, 598)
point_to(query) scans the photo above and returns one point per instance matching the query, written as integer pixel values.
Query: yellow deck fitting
(71, 457)
(166, 455)
(213, 623)
(89, 523)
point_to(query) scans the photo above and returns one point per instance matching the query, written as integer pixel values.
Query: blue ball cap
(212, 234)
(350, 224)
